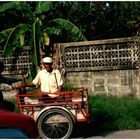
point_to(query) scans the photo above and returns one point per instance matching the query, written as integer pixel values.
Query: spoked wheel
(55, 124)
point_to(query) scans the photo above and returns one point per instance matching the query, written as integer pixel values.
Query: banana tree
(15, 37)
(31, 31)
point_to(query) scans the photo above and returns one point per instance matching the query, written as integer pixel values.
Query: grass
(114, 113)
(13, 100)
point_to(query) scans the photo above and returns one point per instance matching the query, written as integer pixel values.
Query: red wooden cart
(55, 118)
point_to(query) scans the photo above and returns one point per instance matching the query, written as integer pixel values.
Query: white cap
(47, 60)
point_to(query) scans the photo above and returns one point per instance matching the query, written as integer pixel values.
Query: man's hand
(29, 85)
(57, 92)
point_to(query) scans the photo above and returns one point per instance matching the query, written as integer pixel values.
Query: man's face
(48, 66)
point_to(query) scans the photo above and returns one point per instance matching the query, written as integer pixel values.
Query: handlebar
(19, 87)
(23, 86)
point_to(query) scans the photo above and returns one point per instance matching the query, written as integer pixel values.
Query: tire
(55, 124)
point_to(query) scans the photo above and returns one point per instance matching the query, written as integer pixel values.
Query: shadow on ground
(87, 130)
(84, 130)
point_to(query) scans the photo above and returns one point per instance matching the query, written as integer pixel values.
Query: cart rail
(75, 101)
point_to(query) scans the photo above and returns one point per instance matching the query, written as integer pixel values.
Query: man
(6, 80)
(49, 80)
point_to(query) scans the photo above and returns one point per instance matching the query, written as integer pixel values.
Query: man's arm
(29, 84)
(59, 80)
(8, 80)
(59, 88)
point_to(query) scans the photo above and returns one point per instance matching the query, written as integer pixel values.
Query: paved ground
(86, 132)
(125, 134)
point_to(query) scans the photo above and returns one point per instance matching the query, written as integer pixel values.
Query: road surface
(87, 132)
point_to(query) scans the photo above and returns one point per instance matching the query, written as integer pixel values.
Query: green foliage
(13, 100)
(67, 87)
(114, 113)
(43, 7)
(8, 6)
(4, 34)
(73, 31)
(97, 20)
(13, 38)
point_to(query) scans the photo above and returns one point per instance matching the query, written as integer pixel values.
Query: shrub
(67, 87)
(114, 113)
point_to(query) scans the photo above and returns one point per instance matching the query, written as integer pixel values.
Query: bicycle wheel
(55, 124)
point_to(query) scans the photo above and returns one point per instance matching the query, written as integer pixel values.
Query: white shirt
(48, 81)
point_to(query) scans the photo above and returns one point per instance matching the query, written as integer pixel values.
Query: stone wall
(114, 82)
(109, 66)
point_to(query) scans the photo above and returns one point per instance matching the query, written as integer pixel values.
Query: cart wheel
(55, 124)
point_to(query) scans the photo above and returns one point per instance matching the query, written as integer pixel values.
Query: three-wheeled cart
(55, 118)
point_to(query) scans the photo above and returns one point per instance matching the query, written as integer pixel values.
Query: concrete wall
(114, 82)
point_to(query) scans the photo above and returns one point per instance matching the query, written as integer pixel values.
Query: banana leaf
(8, 6)
(43, 7)
(53, 30)
(4, 34)
(14, 37)
(71, 29)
